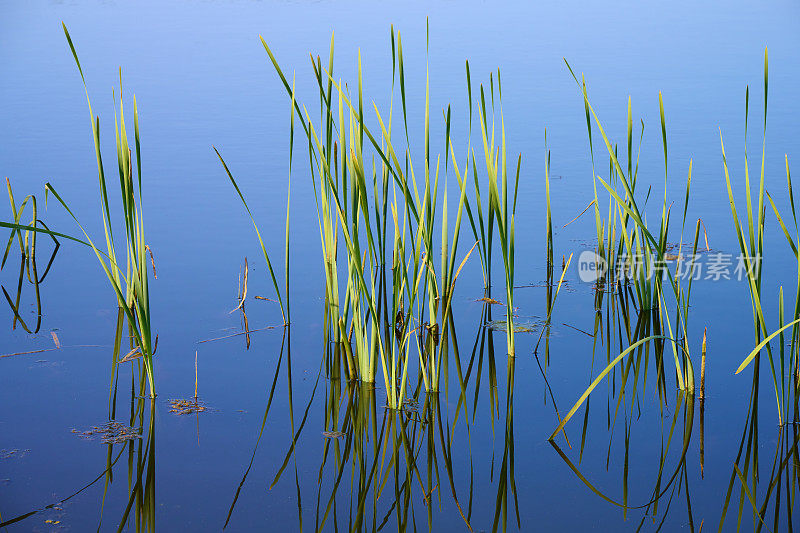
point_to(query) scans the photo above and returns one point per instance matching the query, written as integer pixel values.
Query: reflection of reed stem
(702, 434)
(701, 396)
(702, 392)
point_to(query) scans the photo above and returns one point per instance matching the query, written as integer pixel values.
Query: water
(202, 78)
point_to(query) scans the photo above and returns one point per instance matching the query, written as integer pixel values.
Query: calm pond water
(284, 445)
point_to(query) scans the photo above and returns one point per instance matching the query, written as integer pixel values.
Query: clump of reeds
(130, 287)
(636, 255)
(378, 205)
(750, 235)
(131, 284)
(496, 159)
(625, 235)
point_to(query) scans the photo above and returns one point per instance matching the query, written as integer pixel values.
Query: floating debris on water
(566, 286)
(411, 406)
(44, 363)
(687, 248)
(333, 434)
(111, 432)
(522, 326)
(13, 454)
(490, 301)
(187, 406)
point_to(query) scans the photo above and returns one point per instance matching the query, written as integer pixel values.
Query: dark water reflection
(340, 459)
(286, 442)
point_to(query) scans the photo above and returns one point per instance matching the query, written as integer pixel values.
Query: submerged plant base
(410, 407)
(111, 432)
(186, 407)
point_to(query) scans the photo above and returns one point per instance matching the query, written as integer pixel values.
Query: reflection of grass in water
(135, 439)
(394, 459)
(667, 481)
(27, 247)
(757, 492)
